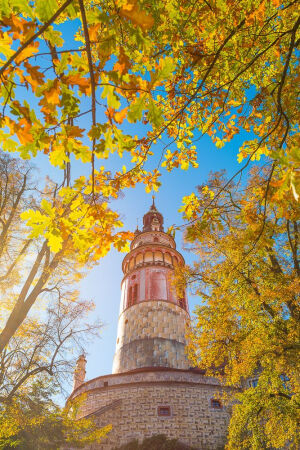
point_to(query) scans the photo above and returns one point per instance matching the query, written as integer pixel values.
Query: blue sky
(102, 284)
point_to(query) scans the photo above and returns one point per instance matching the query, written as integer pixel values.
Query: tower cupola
(153, 220)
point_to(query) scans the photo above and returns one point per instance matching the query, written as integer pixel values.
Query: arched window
(139, 258)
(158, 256)
(132, 295)
(129, 299)
(148, 257)
(168, 258)
(155, 239)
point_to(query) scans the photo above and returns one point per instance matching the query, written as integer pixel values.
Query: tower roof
(153, 219)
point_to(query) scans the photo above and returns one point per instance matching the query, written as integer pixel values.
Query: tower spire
(153, 207)
(153, 219)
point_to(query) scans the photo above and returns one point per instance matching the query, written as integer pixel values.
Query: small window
(105, 384)
(216, 404)
(134, 294)
(155, 239)
(133, 277)
(129, 302)
(164, 411)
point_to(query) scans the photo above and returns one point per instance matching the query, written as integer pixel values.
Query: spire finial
(137, 231)
(153, 207)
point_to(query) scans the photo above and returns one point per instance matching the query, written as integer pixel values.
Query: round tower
(152, 321)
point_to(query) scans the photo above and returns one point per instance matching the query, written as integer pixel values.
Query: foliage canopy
(38, 339)
(34, 422)
(95, 68)
(247, 328)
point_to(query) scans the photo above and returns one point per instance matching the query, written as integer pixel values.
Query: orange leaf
(93, 31)
(120, 115)
(132, 12)
(52, 95)
(83, 83)
(23, 133)
(123, 63)
(35, 78)
(28, 51)
(74, 131)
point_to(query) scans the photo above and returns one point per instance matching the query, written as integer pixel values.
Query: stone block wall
(193, 420)
(151, 333)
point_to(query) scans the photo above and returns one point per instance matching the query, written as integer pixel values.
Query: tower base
(182, 404)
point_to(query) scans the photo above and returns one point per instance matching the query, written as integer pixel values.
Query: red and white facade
(149, 302)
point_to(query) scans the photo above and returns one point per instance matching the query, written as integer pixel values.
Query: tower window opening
(129, 301)
(164, 411)
(155, 239)
(134, 294)
(215, 403)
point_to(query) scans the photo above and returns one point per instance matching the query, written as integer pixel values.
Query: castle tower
(152, 389)
(152, 321)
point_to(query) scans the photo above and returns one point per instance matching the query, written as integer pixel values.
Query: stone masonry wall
(151, 333)
(134, 409)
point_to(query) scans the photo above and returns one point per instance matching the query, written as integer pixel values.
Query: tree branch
(36, 35)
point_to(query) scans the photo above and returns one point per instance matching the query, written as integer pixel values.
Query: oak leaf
(138, 17)
(83, 83)
(120, 115)
(28, 51)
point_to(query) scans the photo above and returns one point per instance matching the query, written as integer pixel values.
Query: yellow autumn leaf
(5, 45)
(28, 51)
(54, 240)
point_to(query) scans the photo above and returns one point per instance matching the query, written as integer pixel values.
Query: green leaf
(111, 98)
(154, 114)
(135, 111)
(54, 37)
(166, 67)
(45, 9)
(4, 8)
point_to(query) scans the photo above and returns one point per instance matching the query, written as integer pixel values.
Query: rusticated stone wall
(151, 334)
(130, 403)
